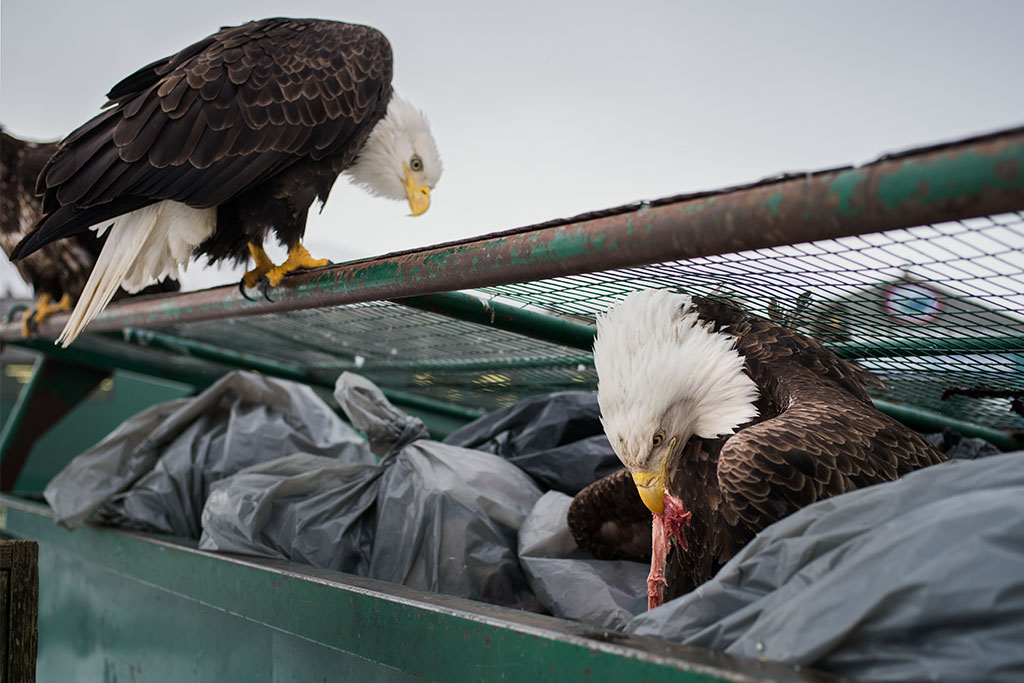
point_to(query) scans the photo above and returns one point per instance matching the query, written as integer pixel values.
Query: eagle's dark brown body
(61, 267)
(257, 120)
(58, 268)
(818, 435)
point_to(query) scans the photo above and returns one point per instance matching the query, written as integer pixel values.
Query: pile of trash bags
(922, 578)
(264, 466)
(555, 438)
(154, 472)
(917, 579)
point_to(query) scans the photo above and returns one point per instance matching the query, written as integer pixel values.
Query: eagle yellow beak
(652, 490)
(418, 195)
(652, 485)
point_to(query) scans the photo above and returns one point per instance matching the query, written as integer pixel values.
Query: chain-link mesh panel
(406, 350)
(936, 311)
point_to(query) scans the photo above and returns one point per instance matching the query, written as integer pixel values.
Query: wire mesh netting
(406, 350)
(936, 311)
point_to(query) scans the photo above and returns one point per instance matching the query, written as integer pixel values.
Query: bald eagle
(58, 271)
(726, 422)
(235, 136)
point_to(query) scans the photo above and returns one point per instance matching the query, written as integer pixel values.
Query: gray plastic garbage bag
(92, 478)
(447, 517)
(953, 444)
(443, 519)
(555, 438)
(155, 470)
(304, 508)
(917, 579)
(569, 582)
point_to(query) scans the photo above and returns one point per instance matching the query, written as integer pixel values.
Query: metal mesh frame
(936, 311)
(932, 310)
(403, 349)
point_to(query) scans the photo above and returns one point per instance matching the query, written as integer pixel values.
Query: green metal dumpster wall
(125, 395)
(120, 606)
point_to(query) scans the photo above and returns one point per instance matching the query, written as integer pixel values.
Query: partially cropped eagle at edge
(235, 136)
(726, 422)
(58, 271)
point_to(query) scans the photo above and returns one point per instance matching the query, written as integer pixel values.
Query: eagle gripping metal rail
(299, 615)
(976, 177)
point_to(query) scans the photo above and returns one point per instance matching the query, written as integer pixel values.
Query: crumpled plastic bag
(556, 438)
(155, 470)
(302, 507)
(953, 444)
(443, 518)
(571, 583)
(917, 579)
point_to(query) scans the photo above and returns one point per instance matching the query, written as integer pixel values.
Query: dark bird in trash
(726, 422)
(211, 149)
(58, 271)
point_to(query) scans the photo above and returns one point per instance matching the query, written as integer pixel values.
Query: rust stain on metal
(973, 178)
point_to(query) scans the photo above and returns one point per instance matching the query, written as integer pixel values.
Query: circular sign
(912, 303)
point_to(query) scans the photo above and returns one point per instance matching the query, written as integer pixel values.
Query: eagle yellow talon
(275, 276)
(262, 266)
(252, 277)
(298, 257)
(27, 323)
(44, 308)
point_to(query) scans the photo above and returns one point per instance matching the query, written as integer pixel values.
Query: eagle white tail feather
(142, 246)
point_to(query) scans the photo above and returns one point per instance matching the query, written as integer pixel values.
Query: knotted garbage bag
(429, 515)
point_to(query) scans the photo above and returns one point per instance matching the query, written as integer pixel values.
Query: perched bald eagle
(58, 271)
(212, 148)
(726, 422)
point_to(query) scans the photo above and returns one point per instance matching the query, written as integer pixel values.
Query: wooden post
(19, 610)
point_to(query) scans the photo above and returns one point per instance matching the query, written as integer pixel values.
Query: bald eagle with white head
(726, 422)
(234, 137)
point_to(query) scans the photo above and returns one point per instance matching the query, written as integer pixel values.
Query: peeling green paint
(564, 244)
(381, 271)
(964, 175)
(843, 190)
(772, 203)
(978, 177)
(698, 206)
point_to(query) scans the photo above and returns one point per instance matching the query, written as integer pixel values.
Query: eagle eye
(415, 164)
(658, 439)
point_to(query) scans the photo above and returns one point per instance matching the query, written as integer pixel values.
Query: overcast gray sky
(547, 109)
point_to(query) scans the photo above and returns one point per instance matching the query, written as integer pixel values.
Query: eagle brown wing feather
(823, 445)
(609, 520)
(219, 118)
(819, 434)
(763, 342)
(60, 267)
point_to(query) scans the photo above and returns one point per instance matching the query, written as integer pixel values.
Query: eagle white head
(400, 159)
(664, 376)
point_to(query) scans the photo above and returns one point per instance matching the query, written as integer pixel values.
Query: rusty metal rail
(975, 177)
